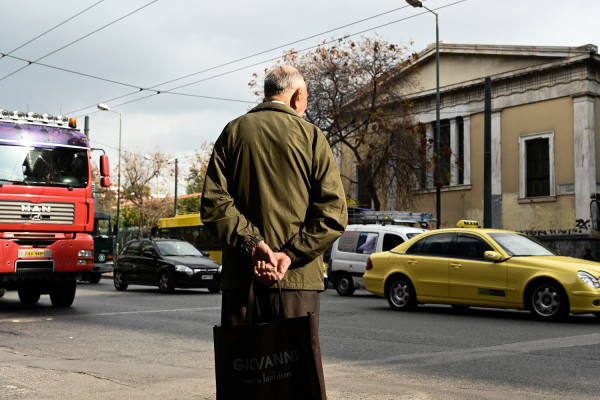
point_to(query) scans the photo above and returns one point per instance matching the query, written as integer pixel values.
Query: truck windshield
(43, 166)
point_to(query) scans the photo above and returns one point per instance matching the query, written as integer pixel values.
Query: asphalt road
(139, 344)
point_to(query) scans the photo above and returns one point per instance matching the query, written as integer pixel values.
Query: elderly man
(274, 197)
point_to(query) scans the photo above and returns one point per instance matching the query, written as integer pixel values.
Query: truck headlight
(101, 257)
(85, 253)
(588, 279)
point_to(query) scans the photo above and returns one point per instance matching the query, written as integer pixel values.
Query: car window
(148, 247)
(470, 246)
(519, 245)
(358, 242)
(132, 249)
(390, 241)
(177, 248)
(437, 244)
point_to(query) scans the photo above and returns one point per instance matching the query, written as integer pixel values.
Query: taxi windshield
(517, 245)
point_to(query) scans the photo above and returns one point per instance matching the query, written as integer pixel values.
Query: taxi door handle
(455, 265)
(412, 262)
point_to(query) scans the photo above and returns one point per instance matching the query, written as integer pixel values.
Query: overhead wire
(51, 29)
(75, 41)
(171, 91)
(229, 63)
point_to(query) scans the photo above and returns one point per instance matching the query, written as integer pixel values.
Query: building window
(536, 165)
(460, 157)
(445, 151)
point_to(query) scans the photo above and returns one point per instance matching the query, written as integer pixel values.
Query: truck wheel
(95, 277)
(344, 284)
(63, 294)
(165, 282)
(29, 295)
(118, 280)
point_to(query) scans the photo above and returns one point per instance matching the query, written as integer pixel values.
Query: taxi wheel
(165, 282)
(548, 301)
(400, 293)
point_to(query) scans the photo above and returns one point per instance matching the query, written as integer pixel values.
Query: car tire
(29, 295)
(95, 277)
(118, 280)
(548, 301)
(165, 282)
(63, 294)
(344, 284)
(400, 293)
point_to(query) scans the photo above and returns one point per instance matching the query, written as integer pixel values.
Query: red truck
(46, 206)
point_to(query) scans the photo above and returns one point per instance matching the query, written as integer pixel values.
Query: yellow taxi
(471, 266)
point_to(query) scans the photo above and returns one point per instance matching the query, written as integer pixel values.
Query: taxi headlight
(184, 268)
(588, 279)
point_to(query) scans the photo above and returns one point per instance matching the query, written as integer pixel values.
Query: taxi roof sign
(465, 223)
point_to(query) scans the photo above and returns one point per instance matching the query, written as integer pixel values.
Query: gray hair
(282, 80)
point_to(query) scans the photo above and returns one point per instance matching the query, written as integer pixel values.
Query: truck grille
(32, 267)
(25, 212)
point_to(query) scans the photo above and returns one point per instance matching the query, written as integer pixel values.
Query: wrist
(252, 243)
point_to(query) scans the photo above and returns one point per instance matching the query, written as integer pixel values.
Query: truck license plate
(46, 253)
(207, 277)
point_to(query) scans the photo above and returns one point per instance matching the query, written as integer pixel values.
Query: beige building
(545, 118)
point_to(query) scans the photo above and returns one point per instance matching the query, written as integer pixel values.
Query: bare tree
(354, 99)
(137, 173)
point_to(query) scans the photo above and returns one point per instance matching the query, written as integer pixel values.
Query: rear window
(358, 242)
(438, 245)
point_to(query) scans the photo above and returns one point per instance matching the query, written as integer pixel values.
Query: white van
(350, 252)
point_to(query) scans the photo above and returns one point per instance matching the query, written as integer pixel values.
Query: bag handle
(249, 319)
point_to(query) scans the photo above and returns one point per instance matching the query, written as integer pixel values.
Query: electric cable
(51, 29)
(73, 42)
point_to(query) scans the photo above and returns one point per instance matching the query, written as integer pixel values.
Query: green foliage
(188, 205)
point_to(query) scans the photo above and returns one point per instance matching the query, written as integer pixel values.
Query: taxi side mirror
(492, 256)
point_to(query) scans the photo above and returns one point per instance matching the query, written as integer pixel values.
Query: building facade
(545, 121)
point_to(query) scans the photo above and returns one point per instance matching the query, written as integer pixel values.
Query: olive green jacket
(272, 177)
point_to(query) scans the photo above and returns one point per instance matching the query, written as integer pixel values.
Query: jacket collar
(273, 106)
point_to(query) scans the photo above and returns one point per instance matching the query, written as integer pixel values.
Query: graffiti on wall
(581, 227)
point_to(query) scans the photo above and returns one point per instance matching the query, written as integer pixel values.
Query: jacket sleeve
(217, 209)
(327, 214)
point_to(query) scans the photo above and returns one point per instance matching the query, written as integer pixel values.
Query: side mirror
(492, 256)
(148, 254)
(104, 171)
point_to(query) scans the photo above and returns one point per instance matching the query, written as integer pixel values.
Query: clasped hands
(269, 265)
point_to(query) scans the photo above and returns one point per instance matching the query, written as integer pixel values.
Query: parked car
(350, 252)
(470, 266)
(166, 263)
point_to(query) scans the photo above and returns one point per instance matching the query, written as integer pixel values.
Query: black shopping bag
(275, 360)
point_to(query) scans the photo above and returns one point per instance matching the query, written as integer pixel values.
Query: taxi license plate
(207, 277)
(46, 253)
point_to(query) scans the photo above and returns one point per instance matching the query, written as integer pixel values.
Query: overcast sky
(103, 53)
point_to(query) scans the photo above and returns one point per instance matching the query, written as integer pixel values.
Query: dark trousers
(296, 303)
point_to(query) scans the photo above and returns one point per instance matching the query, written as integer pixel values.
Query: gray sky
(167, 40)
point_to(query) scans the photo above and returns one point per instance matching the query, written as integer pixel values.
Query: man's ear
(295, 99)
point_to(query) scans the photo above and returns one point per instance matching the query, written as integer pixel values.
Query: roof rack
(364, 216)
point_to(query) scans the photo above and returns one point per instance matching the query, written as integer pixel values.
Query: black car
(167, 263)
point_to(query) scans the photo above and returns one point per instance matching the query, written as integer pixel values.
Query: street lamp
(436, 139)
(104, 107)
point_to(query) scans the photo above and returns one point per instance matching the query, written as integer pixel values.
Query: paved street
(139, 344)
